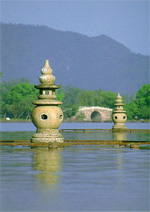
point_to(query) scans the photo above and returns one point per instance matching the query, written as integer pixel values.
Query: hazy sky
(124, 21)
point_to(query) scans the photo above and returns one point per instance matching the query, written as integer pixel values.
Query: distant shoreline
(69, 121)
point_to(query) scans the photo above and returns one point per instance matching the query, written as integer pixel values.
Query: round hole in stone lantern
(44, 117)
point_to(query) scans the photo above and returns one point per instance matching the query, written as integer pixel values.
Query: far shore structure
(95, 113)
(47, 116)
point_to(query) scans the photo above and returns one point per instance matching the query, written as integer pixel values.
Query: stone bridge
(99, 114)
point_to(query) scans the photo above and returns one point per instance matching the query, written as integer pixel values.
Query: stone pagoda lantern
(47, 116)
(119, 115)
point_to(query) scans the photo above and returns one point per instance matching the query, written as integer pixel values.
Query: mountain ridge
(97, 62)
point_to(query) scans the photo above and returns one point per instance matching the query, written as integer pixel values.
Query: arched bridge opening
(96, 116)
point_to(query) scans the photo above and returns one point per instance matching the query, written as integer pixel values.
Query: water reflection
(120, 158)
(48, 163)
(119, 135)
(117, 178)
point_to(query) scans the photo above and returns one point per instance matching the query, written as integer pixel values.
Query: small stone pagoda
(119, 116)
(46, 115)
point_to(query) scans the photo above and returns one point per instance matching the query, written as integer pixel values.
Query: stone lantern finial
(47, 74)
(119, 114)
(118, 97)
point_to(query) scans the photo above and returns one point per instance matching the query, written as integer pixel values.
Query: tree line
(139, 107)
(16, 100)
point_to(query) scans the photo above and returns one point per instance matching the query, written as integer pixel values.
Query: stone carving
(119, 116)
(46, 115)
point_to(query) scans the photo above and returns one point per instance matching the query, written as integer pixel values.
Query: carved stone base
(119, 126)
(47, 138)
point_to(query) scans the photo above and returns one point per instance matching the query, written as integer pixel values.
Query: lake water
(24, 131)
(76, 178)
(8, 126)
